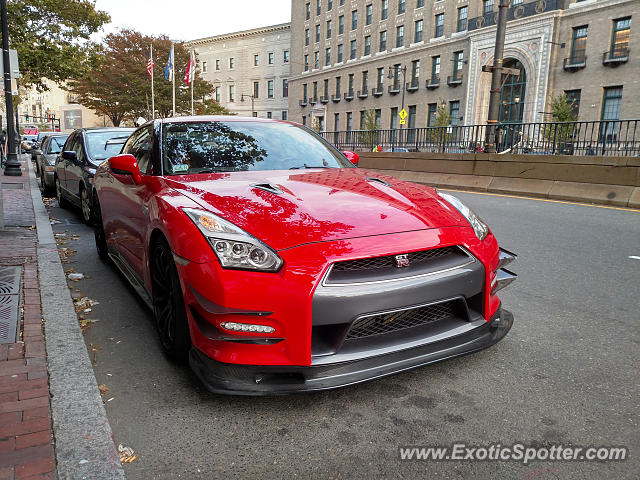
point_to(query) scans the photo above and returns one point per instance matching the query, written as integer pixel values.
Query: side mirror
(69, 155)
(126, 165)
(352, 157)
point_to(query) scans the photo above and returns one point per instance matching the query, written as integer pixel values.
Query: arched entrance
(512, 101)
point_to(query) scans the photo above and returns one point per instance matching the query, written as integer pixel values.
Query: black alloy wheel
(62, 202)
(85, 205)
(168, 303)
(98, 232)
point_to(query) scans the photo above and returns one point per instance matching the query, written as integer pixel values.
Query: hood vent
(267, 187)
(378, 180)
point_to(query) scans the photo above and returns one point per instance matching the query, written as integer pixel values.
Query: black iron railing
(607, 137)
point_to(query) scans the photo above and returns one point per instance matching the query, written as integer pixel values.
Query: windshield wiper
(308, 166)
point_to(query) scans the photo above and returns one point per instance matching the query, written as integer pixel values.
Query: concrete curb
(84, 445)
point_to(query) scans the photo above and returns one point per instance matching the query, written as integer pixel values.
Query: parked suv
(45, 159)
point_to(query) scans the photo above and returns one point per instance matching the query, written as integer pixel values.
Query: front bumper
(234, 379)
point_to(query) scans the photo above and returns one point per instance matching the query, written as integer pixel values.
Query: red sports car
(274, 265)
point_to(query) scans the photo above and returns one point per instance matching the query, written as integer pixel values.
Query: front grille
(400, 320)
(376, 263)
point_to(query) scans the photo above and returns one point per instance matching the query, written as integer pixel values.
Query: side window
(139, 145)
(77, 147)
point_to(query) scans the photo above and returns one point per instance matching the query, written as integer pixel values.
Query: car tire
(98, 232)
(46, 191)
(168, 303)
(62, 202)
(85, 206)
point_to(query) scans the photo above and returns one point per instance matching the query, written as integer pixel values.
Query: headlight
(474, 220)
(234, 247)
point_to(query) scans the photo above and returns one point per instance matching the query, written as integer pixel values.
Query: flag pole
(173, 68)
(153, 96)
(193, 77)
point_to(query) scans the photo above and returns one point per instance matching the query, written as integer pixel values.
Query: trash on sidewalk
(81, 304)
(65, 253)
(103, 388)
(74, 277)
(126, 454)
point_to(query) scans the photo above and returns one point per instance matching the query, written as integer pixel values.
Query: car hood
(317, 205)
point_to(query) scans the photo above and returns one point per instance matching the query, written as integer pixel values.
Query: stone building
(249, 69)
(349, 56)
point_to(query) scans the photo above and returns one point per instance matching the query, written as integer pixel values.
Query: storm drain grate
(12, 186)
(9, 293)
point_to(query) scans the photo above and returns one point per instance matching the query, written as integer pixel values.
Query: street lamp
(253, 113)
(393, 71)
(12, 167)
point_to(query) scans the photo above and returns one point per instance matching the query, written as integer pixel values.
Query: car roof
(217, 118)
(105, 129)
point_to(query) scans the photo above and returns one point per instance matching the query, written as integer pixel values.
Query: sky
(191, 19)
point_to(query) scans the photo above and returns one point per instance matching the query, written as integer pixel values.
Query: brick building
(349, 56)
(249, 65)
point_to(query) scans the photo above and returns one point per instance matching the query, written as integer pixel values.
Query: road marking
(634, 257)
(609, 207)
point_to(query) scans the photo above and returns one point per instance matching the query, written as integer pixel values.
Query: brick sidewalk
(26, 445)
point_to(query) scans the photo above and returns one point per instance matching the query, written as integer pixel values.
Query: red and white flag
(150, 65)
(191, 69)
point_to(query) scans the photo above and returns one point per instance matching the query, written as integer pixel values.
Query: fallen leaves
(83, 303)
(126, 454)
(103, 388)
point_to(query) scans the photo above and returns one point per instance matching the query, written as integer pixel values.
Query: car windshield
(56, 144)
(205, 147)
(103, 145)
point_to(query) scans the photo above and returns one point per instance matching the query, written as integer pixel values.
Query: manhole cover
(9, 293)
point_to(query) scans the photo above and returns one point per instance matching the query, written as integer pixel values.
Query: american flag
(191, 69)
(150, 65)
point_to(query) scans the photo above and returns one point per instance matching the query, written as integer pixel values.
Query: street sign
(13, 61)
(403, 115)
(402, 122)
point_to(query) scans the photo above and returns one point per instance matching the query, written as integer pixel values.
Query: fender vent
(378, 180)
(267, 187)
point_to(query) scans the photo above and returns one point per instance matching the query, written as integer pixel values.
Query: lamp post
(12, 167)
(393, 71)
(253, 113)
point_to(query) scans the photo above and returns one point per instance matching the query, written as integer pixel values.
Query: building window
(384, 10)
(316, 60)
(337, 94)
(256, 89)
(318, 7)
(573, 98)
(269, 115)
(304, 93)
(306, 37)
(412, 117)
(285, 88)
(354, 20)
(315, 91)
(487, 7)
(415, 72)
(218, 65)
(402, 5)
(339, 60)
(317, 33)
(363, 114)
(285, 115)
(393, 118)
(270, 57)
(458, 59)
(396, 76)
(306, 63)
(329, 5)
(519, 2)
(340, 24)
(269, 88)
(349, 121)
(367, 45)
(454, 112)
(378, 118)
(336, 122)
(435, 69)
(383, 41)
(325, 90)
(217, 94)
(399, 36)
(420, 4)
(204, 67)
(365, 81)
(232, 62)
(380, 79)
(304, 120)
(328, 28)
(579, 44)
(341, 3)
(232, 93)
(432, 108)
(327, 57)
(439, 26)
(286, 56)
(308, 11)
(611, 102)
(351, 84)
(352, 55)
(417, 33)
(462, 19)
(620, 37)
(368, 14)
(256, 60)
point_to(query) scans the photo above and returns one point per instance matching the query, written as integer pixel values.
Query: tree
(119, 87)
(368, 130)
(561, 135)
(562, 109)
(438, 134)
(53, 38)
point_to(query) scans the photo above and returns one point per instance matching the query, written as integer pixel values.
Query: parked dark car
(37, 143)
(45, 159)
(84, 151)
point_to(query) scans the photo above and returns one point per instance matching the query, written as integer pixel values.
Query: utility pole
(12, 167)
(497, 70)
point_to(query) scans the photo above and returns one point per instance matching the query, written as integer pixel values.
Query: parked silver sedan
(45, 159)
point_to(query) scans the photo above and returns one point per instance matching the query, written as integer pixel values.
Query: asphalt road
(567, 373)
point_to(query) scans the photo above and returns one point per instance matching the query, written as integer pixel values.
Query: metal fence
(610, 138)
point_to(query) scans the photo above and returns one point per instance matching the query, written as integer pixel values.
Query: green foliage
(562, 135)
(52, 38)
(439, 134)
(208, 106)
(443, 117)
(562, 109)
(120, 88)
(368, 130)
